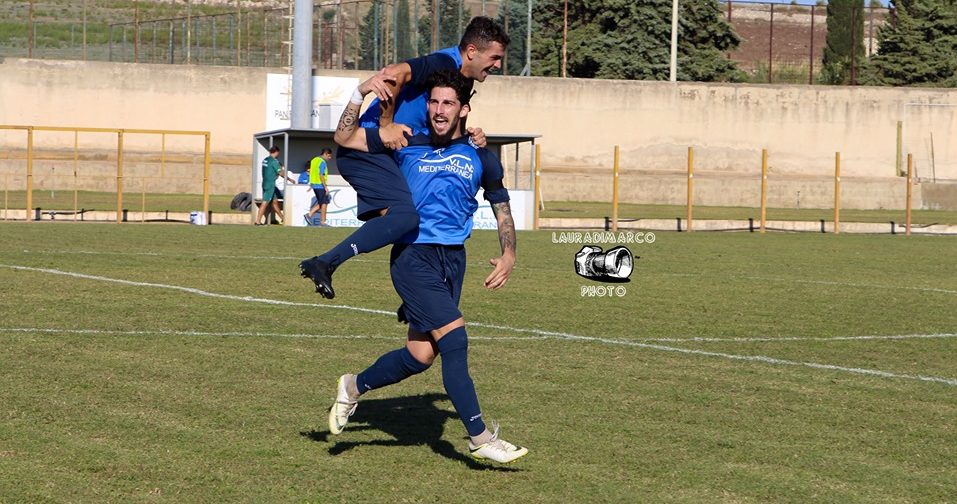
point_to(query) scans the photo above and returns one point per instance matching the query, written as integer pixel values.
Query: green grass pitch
(174, 363)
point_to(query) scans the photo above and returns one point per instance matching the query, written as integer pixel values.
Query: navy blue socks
(454, 349)
(398, 365)
(373, 235)
(392, 367)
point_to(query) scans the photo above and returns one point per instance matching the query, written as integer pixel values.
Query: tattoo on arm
(506, 226)
(348, 121)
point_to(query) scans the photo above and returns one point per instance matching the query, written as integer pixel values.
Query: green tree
(515, 12)
(453, 16)
(844, 49)
(371, 43)
(404, 31)
(631, 39)
(918, 45)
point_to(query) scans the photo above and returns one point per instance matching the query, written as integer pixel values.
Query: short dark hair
(482, 31)
(273, 149)
(451, 79)
(326, 150)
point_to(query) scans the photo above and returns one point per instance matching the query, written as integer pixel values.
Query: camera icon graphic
(615, 265)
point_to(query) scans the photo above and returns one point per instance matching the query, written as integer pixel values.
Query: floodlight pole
(673, 75)
(301, 117)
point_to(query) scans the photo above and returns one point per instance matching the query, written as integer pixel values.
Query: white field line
(199, 292)
(238, 257)
(855, 284)
(551, 336)
(471, 336)
(537, 332)
(161, 332)
(482, 263)
(699, 339)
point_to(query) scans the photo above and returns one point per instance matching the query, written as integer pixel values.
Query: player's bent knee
(412, 364)
(423, 353)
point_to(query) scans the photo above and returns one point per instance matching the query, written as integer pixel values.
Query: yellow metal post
(837, 193)
(143, 200)
(900, 147)
(163, 156)
(538, 178)
(764, 187)
(504, 160)
(690, 183)
(119, 176)
(614, 194)
(206, 180)
(29, 172)
(910, 186)
(76, 159)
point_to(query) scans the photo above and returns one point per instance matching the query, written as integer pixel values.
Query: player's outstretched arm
(348, 133)
(506, 237)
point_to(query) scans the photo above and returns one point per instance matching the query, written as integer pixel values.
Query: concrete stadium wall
(580, 121)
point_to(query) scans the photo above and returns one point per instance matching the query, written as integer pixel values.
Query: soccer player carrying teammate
(428, 265)
(384, 200)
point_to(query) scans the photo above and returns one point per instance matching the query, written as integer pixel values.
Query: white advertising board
(330, 95)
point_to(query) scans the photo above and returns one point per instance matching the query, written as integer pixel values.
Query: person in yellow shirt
(318, 179)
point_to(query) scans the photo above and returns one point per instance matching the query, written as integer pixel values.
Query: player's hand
(379, 84)
(503, 269)
(393, 136)
(477, 136)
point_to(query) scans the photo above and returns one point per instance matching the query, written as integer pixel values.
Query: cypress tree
(845, 26)
(367, 36)
(404, 32)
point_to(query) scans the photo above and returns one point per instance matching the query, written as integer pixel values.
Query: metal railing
(119, 176)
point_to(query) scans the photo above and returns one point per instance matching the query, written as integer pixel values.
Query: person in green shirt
(271, 168)
(319, 179)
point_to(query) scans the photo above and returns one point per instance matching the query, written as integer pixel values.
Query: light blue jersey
(444, 182)
(411, 104)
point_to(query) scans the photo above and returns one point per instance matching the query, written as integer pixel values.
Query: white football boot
(497, 450)
(343, 408)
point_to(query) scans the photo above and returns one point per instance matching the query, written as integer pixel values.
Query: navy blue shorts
(322, 197)
(429, 280)
(377, 180)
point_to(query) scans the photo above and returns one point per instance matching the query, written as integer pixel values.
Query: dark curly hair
(451, 79)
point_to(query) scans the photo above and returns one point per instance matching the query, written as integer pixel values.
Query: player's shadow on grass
(411, 421)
